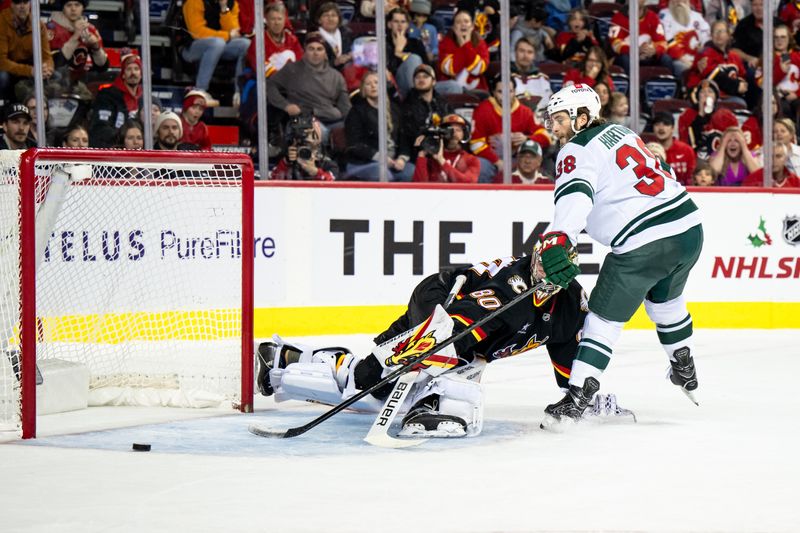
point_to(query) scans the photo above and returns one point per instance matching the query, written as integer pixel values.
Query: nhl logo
(791, 230)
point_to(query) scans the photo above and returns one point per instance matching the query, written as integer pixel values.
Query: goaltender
(447, 400)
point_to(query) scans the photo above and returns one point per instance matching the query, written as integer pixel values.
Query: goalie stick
(296, 431)
(378, 434)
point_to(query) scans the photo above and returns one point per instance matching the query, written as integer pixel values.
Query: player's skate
(604, 407)
(683, 373)
(571, 407)
(425, 420)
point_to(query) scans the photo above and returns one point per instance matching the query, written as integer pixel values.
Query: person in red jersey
(680, 156)
(450, 163)
(195, 130)
(652, 40)
(781, 175)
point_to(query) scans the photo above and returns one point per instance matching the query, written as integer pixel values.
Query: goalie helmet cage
(141, 271)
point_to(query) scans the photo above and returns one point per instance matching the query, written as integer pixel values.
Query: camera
(433, 135)
(296, 134)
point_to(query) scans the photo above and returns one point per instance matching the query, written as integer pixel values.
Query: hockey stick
(378, 434)
(294, 432)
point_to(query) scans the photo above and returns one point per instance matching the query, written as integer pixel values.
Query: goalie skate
(424, 420)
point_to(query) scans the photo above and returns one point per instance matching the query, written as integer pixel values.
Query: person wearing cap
(16, 127)
(195, 130)
(420, 28)
(169, 132)
(311, 85)
(76, 45)
(529, 163)
(117, 103)
(422, 107)
(214, 26)
(701, 126)
(488, 121)
(679, 155)
(16, 50)
(451, 163)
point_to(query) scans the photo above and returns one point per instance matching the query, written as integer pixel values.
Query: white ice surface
(729, 465)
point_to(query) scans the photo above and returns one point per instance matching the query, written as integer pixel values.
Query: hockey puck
(141, 447)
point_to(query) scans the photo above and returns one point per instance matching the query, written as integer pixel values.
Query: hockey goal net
(134, 267)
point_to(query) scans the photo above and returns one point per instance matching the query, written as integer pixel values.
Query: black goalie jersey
(555, 324)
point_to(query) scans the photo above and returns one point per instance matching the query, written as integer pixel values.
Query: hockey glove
(558, 267)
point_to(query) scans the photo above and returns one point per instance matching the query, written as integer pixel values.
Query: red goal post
(132, 268)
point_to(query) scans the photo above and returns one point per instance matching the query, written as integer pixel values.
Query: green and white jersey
(610, 184)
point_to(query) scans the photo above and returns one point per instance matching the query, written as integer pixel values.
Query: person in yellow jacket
(16, 49)
(214, 27)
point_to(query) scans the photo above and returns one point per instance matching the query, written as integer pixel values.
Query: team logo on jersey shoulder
(518, 284)
(791, 230)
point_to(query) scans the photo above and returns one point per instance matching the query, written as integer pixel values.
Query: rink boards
(344, 258)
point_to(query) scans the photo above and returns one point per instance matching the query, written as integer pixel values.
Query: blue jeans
(371, 172)
(207, 53)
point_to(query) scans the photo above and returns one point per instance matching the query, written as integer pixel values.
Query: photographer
(304, 159)
(441, 155)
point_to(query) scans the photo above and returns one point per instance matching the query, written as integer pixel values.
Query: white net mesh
(139, 279)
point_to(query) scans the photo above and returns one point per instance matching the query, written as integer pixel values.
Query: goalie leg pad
(445, 407)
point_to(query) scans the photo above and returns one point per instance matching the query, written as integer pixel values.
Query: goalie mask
(537, 274)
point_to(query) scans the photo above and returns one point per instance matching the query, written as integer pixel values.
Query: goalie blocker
(447, 399)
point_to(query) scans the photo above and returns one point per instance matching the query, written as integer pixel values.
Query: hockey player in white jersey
(611, 185)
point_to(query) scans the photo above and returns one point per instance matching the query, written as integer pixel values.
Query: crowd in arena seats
(700, 71)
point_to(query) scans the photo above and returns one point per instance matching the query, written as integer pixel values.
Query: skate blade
(691, 396)
(556, 425)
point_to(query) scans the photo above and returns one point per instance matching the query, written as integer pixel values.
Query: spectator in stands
(701, 126)
(733, 162)
(338, 38)
(532, 26)
(367, 7)
(214, 27)
(487, 136)
(423, 30)
(782, 176)
(530, 83)
(76, 136)
(786, 71)
(790, 15)
(116, 103)
(403, 53)
(422, 107)
(76, 46)
(593, 69)
(748, 37)
(731, 11)
(686, 32)
(169, 132)
(447, 161)
(463, 57)
(361, 130)
(652, 41)
(280, 45)
(604, 92)
(784, 131)
(529, 164)
(717, 62)
(131, 135)
(679, 155)
(575, 42)
(306, 159)
(30, 103)
(16, 127)
(703, 176)
(618, 110)
(16, 51)
(194, 129)
(486, 16)
(312, 86)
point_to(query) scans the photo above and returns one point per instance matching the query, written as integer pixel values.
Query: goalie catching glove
(559, 258)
